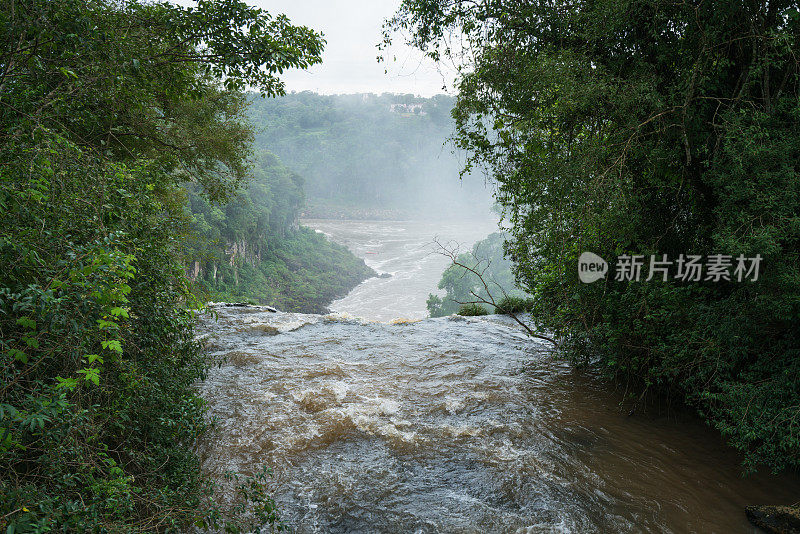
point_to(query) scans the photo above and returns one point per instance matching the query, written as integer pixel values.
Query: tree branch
(452, 254)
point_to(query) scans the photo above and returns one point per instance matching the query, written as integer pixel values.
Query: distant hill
(370, 156)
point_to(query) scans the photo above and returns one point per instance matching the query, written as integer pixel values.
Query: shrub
(510, 304)
(471, 310)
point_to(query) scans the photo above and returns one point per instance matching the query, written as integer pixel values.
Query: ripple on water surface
(454, 425)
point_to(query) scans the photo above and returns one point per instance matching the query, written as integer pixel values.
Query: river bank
(303, 272)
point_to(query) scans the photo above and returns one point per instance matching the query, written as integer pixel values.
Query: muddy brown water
(455, 425)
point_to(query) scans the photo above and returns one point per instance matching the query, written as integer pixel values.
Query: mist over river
(405, 250)
(450, 425)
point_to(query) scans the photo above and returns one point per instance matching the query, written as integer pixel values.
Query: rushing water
(405, 250)
(454, 425)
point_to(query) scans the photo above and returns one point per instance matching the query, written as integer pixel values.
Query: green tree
(403, 164)
(105, 108)
(252, 248)
(647, 127)
(462, 286)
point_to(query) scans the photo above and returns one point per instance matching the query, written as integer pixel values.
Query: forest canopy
(368, 155)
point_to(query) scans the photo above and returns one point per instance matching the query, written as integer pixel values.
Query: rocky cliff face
(241, 251)
(193, 270)
(235, 253)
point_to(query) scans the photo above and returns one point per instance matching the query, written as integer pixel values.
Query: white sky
(352, 28)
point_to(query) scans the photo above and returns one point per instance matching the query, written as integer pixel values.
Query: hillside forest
(372, 156)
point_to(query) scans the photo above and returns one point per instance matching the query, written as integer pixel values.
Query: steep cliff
(252, 248)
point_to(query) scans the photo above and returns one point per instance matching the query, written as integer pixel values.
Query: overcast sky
(352, 28)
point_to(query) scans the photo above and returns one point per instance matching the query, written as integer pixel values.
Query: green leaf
(118, 311)
(106, 325)
(66, 383)
(113, 344)
(18, 355)
(27, 322)
(68, 73)
(90, 374)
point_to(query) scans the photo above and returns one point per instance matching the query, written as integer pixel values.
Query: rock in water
(775, 519)
(248, 305)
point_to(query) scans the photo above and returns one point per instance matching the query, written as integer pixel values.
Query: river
(451, 425)
(404, 250)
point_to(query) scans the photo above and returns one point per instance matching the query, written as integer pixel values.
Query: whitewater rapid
(406, 253)
(453, 425)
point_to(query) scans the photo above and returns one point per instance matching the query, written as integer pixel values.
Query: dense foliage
(251, 247)
(368, 156)
(472, 310)
(105, 108)
(514, 304)
(647, 127)
(462, 286)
